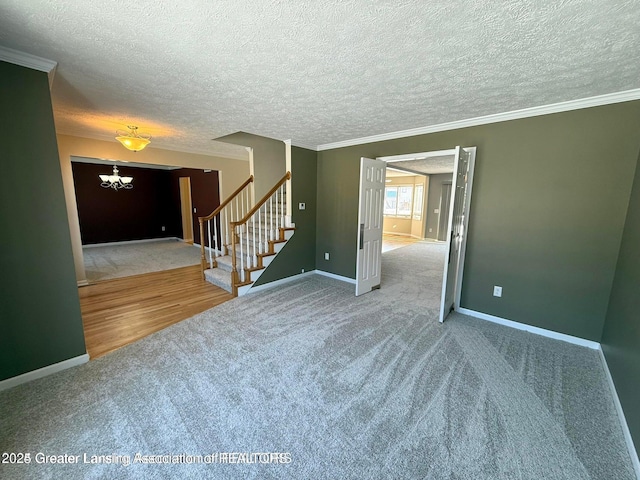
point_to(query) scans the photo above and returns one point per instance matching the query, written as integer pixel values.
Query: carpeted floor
(343, 387)
(116, 261)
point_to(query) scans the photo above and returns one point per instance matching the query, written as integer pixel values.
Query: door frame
(466, 208)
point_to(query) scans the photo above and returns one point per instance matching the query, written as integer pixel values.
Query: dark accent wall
(40, 321)
(300, 250)
(547, 212)
(621, 335)
(108, 215)
(433, 202)
(205, 196)
(269, 160)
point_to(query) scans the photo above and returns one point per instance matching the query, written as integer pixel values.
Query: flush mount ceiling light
(115, 181)
(133, 140)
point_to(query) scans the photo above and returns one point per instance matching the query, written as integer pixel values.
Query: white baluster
(277, 219)
(241, 206)
(241, 256)
(226, 224)
(253, 227)
(283, 206)
(237, 217)
(215, 237)
(202, 240)
(270, 218)
(260, 250)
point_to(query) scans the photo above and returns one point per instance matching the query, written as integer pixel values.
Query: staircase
(238, 242)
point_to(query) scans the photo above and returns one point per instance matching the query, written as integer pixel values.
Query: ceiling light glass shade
(115, 181)
(133, 140)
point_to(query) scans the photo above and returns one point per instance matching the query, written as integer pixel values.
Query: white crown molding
(30, 61)
(307, 146)
(597, 101)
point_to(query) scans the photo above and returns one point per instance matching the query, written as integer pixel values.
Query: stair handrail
(235, 278)
(211, 216)
(256, 207)
(227, 201)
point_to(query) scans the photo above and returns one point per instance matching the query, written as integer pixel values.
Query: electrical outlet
(302, 206)
(431, 230)
(302, 271)
(326, 255)
(497, 291)
(194, 210)
(163, 228)
(436, 210)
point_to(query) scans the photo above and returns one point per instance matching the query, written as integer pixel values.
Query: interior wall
(621, 335)
(301, 249)
(548, 207)
(435, 190)
(40, 315)
(108, 215)
(232, 174)
(205, 196)
(269, 159)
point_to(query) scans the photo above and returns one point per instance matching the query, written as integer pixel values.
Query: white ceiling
(316, 72)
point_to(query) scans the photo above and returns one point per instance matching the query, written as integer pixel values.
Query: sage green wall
(547, 212)
(435, 190)
(621, 335)
(300, 250)
(269, 160)
(40, 321)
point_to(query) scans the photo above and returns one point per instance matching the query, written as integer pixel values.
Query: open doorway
(448, 177)
(144, 227)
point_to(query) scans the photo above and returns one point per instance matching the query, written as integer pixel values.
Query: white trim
(599, 100)
(623, 421)
(282, 281)
(131, 242)
(289, 194)
(43, 372)
(466, 212)
(30, 61)
(83, 283)
(418, 156)
(307, 146)
(336, 277)
(530, 328)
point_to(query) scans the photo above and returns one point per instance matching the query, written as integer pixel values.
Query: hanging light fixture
(115, 181)
(133, 140)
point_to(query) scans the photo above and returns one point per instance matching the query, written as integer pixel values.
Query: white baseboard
(336, 277)
(623, 421)
(43, 372)
(282, 281)
(83, 283)
(530, 328)
(130, 242)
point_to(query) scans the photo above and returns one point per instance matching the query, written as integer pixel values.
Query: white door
(455, 232)
(369, 258)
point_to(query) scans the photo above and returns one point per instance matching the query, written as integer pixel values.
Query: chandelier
(115, 181)
(133, 140)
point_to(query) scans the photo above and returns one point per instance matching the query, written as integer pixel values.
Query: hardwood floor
(391, 242)
(118, 312)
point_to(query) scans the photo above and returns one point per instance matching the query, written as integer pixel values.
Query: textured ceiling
(320, 71)
(430, 166)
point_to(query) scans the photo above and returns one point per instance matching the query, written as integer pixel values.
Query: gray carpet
(116, 261)
(350, 388)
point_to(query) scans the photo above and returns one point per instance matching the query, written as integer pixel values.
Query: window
(398, 201)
